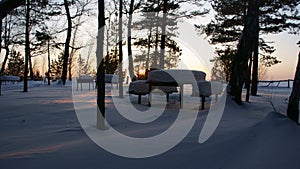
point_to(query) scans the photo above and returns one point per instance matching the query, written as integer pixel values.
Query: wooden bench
(85, 79)
(171, 79)
(9, 79)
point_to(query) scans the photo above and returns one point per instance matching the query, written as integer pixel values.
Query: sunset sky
(197, 52)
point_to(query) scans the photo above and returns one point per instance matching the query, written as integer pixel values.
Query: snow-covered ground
(40, 129)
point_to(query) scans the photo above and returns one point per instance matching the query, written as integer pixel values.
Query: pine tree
(293, 106)
(15, 64)
(274, 17)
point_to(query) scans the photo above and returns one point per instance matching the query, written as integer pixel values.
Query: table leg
(181, 95)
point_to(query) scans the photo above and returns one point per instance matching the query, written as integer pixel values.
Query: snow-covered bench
(85, 79)
(112, 79)
(10, 78)
(141, 87)
(206, 89)
(169, 80)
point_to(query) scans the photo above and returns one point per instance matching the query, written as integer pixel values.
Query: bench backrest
(176, 75)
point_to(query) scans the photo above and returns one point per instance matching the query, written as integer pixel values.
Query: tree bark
(67, 44)
(163, 36)
(120, 49)
(100, 69)
(30, 68)
(49, 64)
(72, 53)
(148, 51)
(248, 81)
(245, 48)
(293, 106)
(255, 61)
(155, 57)
(27, 46)
(130, 59)
(6, 45)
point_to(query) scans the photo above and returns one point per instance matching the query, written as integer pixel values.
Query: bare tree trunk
(72, 53)
(255, 62)
(130, 59)
(27, 46)
(67, 44)
(7, 51)
(154, 65)
(163, 36)
(248, 81)
(30, 68)
(49, 64)
(148, 51)
(245, 48)
(120, 49)
(293, 106)
(6, 45)
(100, 69)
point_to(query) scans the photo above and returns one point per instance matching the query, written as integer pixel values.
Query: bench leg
(139, 99)
(202, 102)
(168, 96)
(149, 99)
(181, 96)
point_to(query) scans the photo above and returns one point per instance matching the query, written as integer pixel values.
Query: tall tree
(15, 64)
(45, 38)
(274, 17)
(7, 41)
(120, 42)
(244, 51)
(100, 68)
(80, 9)
(27, 45)
(163, 35)
(67, 43)
(293, 106)
(171, 57)
(130, 59)
(162, 23)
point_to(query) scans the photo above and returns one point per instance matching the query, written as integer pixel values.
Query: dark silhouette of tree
(223, 64)
(160, 19)
(100, 68)
(15, 64)
(244, 51)
(27, 45)
(56, 67)
(46, 40)
(274, 17)
(293, 106)
(84, 67)
(132, 8)
(81, 8)
(120, 42)
(67, 42)
(172, 54)
(7, 40)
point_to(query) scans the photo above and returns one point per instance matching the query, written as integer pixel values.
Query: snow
(42, 129)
